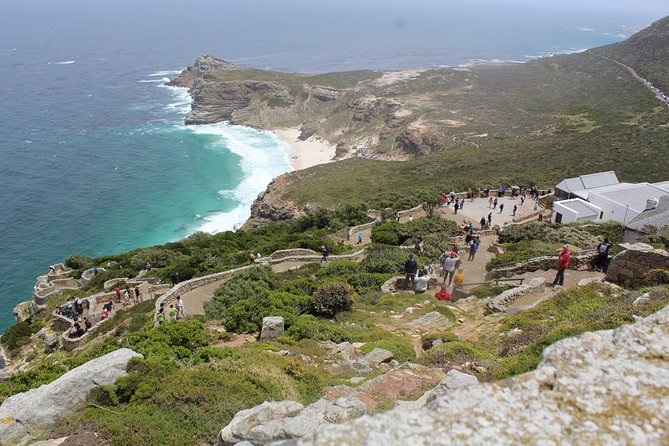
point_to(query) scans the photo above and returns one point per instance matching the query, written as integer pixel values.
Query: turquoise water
(94, 156)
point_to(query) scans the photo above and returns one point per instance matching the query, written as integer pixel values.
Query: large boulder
(272, 328)
(281, 420)
(29, 416)
(608, 387)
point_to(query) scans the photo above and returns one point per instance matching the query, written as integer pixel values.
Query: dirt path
(194, 299)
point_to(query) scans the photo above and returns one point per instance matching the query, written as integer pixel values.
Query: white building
(601, 197)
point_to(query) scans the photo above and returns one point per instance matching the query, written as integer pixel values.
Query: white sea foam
(182, 101)
(67, 62)
(163, 80)
(165, 73)
(263, 157)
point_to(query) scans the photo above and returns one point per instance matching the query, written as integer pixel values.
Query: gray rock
(258, 424)
(588, 281)
(378, 355)
(244, 443)
(272, 328)
(608, 387)
(641, 300)
(453, 380)
(51, 342)
(53, 442)
(287, 420)
(33, 414)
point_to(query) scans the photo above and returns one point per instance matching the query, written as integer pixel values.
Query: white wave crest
(163, 80)
(263, 157)
(67, 62)
(182, 101)
(165, 73)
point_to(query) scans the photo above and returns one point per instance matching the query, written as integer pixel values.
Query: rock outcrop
(630, 266)
(609, 387)
(499, 303)
(28, 416)
(272, 328)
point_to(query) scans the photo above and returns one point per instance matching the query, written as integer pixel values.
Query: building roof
(657, 217)
(589, 181)
(664, 185)
(633, 195)
(582, 207)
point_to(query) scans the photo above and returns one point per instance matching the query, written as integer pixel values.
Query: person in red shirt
(443, 294)
(563, 263)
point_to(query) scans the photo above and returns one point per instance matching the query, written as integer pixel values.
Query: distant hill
(483, 126)
(646, 51)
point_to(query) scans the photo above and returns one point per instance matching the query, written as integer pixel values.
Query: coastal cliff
(508, 118)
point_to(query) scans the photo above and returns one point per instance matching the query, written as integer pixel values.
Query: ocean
(95, 158)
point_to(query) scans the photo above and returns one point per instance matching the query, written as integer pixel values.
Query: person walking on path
(501, 208)
(359, 238)
(490, 202)
(603, 255)
(563, 263)
(490, 219)
(325, 253)
(494, 204)
(180, 308)
(410, 269)
(118, 294)
(175, 278)
(515, 208)
(455, 208)
(138, 296)
(482, 223)
(173, 313)
(450, 263)
(473, 248)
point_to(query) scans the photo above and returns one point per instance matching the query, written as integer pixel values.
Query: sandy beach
(303, 154)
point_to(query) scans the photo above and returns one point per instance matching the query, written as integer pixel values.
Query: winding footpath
(659, 94)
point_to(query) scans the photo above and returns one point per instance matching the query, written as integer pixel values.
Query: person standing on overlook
(325, 253)
(603, 255)
(410, 269)
(563, 263)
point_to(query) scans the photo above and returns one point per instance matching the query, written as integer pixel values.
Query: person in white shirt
(180, 308)
(422, 282)
(450, 263)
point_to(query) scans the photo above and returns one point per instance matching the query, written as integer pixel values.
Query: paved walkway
(194, 300)
(474, 210)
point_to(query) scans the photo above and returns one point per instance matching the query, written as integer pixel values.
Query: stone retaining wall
(579, 261)
(147, 291)
(283, 253)
(630, 266)
(88, 275)
(499, 303)
(189, 285)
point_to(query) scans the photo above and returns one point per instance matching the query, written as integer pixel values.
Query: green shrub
(244, 285)
(19, 334)
(105, 395)
(78, 261)
(454, 353)
(385, 260)
(331, 298)
(246, 315)
(338, 268)
(311, 327)
(657, 277)
(445, 336)
(157, 257)
(385, 237)
(399, 346)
